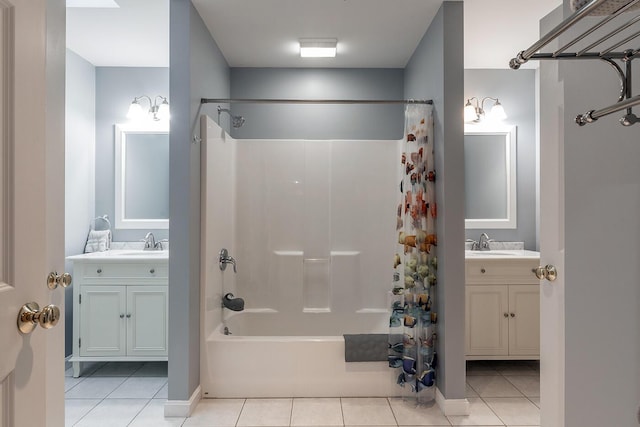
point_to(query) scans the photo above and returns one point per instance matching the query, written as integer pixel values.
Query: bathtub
(271, 354)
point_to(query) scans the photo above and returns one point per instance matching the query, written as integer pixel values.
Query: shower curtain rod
(315, 101)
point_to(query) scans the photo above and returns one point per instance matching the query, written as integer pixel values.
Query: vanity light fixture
(476, 113)
(156, 112)
(318, 48)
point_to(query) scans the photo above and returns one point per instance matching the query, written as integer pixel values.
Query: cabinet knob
(482, 270)
(129, 316)
(122, 316)
(99, 271)
(152, 271)
(513, 315)
(506, 314)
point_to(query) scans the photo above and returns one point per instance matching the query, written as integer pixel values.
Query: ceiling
(136, 34)
(264, 33)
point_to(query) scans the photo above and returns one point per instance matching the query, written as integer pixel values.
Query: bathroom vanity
(502, 297)
(119, 306)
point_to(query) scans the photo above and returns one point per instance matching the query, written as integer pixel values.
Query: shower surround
(310, 224)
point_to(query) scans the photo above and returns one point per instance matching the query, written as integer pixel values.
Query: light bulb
(470, 113)
(163, 111)
(497, 112)
(135, 111)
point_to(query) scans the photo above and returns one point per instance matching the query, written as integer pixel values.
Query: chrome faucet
(474, 244)
(224, 258)
(483, 243)
(150, 243)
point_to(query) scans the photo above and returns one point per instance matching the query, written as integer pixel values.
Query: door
(103, 321)
(551, 177)
(31, 207)
(147, 321)
(524, 324)
(487, 320)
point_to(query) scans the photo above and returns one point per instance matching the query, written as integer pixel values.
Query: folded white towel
(98, 241)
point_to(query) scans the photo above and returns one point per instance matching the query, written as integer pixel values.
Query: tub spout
(232, 303)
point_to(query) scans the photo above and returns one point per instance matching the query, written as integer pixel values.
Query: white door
(551, 171)
(31, 207)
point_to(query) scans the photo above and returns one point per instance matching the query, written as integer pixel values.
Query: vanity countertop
(507, 254)
(122, 255)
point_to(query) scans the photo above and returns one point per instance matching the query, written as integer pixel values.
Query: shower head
(236, 121)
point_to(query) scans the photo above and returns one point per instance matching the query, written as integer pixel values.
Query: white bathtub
(267, 356)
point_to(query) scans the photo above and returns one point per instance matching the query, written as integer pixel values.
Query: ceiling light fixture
(476, 113)
(156, 112)
(318, 48)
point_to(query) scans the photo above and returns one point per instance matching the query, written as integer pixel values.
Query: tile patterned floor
(133, 394)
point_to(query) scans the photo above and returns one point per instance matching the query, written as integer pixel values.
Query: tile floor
(133, 394)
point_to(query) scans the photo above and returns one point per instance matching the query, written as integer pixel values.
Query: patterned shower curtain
(412, 325)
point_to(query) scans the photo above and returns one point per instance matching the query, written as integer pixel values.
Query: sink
(143, 253)
(136, 253)
(493, 253)
(504, 253)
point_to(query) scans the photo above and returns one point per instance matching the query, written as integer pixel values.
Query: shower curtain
(412, 325)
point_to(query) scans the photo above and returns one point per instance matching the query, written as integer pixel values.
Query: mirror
(490, 176)
(142, 175)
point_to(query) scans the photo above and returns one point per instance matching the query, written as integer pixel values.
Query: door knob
(31, 316)
(548, 272)
(54, 280)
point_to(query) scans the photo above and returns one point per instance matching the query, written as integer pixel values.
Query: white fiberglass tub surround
(311, 225)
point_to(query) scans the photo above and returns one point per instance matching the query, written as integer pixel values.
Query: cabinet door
(147, 321)
(524, 320)
(102, 321)
(487, 328)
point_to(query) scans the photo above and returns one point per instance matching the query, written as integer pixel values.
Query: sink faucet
(483, 243)
(150, 243)
(474, 244)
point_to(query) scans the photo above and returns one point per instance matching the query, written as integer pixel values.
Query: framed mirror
(142, 175)
(490, 176)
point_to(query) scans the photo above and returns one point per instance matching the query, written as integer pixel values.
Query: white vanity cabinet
(119, 308)
(502, 308)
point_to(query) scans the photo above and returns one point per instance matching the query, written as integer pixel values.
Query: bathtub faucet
(232, 303)
(224, 259)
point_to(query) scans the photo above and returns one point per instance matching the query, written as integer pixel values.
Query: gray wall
(436, 71)
(318, 121)
(115, 89)
(516, 91)
(198, 70)
(80, 141)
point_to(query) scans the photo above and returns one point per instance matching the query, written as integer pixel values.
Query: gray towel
(366, 347)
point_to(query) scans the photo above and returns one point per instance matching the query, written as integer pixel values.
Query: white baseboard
(452, 406)
(183, 408)
(67, 362)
